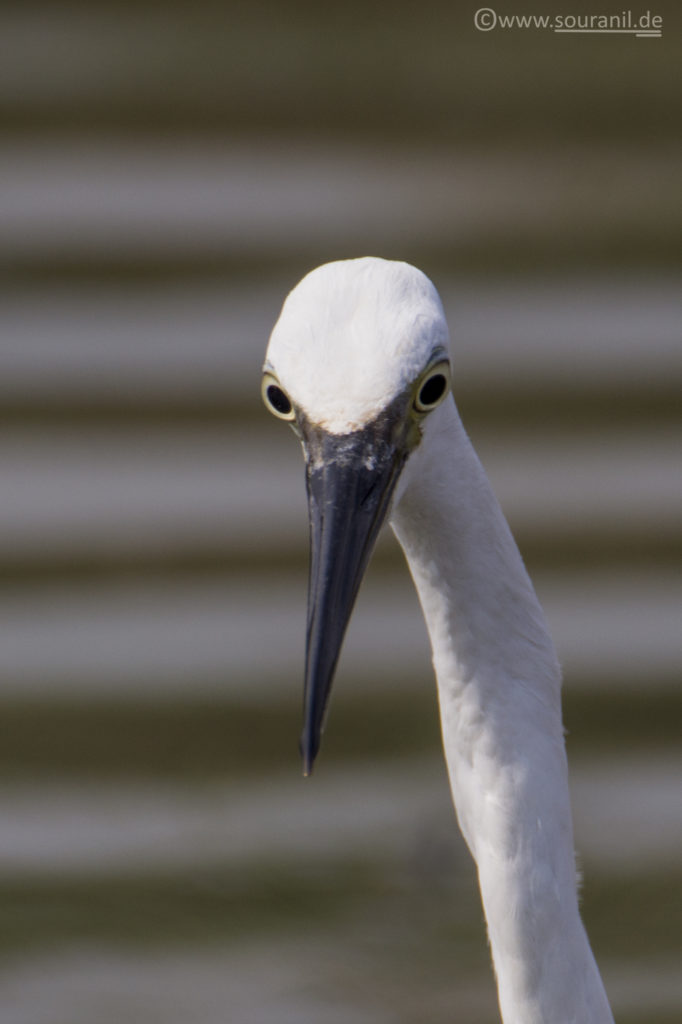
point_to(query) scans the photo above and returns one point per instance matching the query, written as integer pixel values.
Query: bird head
(356, 363)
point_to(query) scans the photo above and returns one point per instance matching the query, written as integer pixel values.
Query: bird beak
(350, 480)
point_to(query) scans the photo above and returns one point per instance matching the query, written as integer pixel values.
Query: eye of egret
(433, 387)
(276, 398)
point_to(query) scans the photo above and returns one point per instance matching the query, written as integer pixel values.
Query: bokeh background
(168, 173)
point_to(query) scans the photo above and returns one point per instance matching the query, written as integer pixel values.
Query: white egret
(358, 364)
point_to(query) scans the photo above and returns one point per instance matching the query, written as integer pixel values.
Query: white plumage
(358, 349)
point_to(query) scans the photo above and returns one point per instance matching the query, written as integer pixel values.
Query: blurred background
(168, 173)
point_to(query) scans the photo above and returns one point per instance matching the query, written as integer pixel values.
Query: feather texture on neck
(499, 691)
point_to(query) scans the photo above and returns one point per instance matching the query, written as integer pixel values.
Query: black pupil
(278, 400)
(433, 389)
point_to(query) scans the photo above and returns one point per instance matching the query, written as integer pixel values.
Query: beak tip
(309, 749)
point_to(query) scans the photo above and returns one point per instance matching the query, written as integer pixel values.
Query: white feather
(351, 336)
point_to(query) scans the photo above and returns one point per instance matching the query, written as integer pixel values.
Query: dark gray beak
(350, 480)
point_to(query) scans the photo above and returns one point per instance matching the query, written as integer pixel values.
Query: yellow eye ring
(276, 399)
(433, 387)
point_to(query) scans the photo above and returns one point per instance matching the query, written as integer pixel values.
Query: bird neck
(499, 693)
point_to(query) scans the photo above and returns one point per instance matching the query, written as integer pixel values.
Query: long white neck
(499, 691)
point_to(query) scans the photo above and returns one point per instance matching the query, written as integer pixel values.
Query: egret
(358, 364)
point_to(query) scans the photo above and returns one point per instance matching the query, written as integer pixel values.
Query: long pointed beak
(350, 480)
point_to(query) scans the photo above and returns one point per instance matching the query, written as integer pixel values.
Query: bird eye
(276, 398)
(433, 387)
